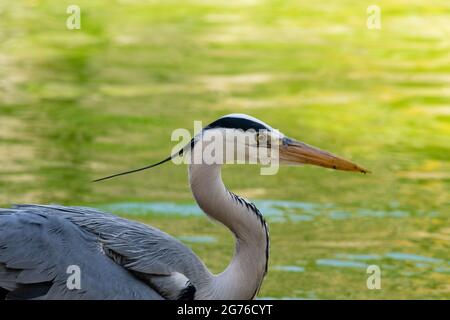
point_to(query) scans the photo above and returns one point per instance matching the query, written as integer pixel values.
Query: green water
(80, 104)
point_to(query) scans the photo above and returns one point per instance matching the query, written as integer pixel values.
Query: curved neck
(243, 276)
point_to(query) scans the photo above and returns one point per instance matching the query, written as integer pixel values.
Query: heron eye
(262, 139)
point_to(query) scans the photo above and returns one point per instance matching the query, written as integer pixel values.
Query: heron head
(257, 142)
(252, 141)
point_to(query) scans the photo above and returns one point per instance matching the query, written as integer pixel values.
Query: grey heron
(122, 259)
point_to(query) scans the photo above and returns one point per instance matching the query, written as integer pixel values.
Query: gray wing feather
(148, 252)
(36, 249)
(140, 247)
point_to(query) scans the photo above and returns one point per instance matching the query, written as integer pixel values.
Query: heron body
(122, 259)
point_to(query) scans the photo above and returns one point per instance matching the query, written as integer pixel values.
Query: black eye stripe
(237, 123)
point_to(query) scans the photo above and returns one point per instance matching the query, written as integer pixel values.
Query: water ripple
(276, 211)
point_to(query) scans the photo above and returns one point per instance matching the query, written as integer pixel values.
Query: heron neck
(243, 276)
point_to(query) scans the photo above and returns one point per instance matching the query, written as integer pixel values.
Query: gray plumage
(118, 258)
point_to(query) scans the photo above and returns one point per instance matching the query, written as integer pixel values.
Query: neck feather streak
(243, 276)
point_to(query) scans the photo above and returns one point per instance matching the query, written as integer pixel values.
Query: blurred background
(80, 104)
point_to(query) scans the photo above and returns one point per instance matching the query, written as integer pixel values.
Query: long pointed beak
(296, 152)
